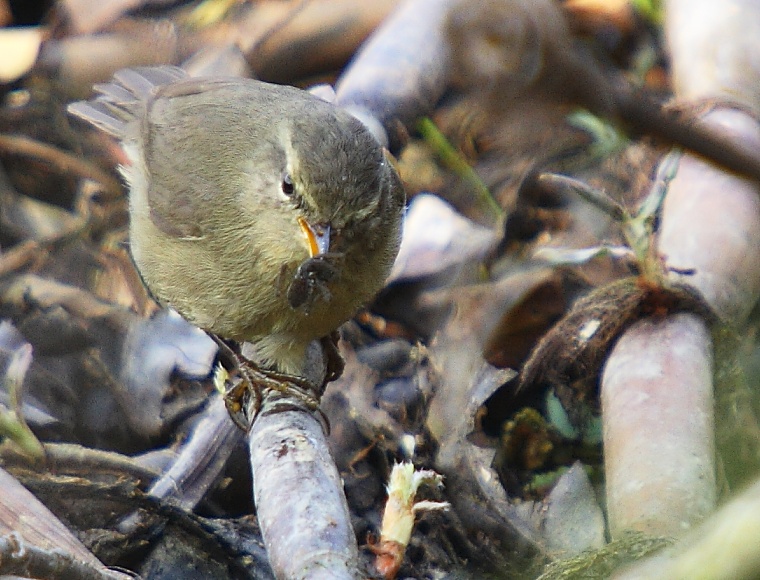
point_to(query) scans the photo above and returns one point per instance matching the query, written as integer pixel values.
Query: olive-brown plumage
(227, 177)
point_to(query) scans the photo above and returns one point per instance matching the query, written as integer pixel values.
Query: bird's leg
(333, 360)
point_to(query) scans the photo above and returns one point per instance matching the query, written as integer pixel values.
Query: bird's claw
(243, 399)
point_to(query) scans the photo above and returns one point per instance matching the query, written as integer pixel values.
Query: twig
(21, 558)
(595, 197)
(286, 19)
(64, 162)
(302, 511)
(198, 464)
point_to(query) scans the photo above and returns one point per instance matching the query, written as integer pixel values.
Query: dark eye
(287, 184)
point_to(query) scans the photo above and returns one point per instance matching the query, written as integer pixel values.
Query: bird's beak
(317, 237)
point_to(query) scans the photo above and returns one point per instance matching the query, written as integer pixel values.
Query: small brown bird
(259, 212)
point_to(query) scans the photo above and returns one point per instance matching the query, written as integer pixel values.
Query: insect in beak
(317, 237)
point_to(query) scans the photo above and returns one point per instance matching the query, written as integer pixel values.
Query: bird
(259, 212)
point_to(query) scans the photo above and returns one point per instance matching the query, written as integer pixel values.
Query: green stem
(454, 161)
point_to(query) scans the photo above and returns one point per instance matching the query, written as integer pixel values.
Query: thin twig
(287, 18)
(63, 161)
(19, 557)
(596, 197)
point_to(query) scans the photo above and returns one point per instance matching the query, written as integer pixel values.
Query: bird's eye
(287, 185)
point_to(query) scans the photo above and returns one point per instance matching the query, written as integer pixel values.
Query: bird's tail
(120, 101)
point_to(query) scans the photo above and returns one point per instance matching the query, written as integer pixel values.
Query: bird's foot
(243, 398)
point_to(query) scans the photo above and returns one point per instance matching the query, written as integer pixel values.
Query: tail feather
(141, 81)
(119, 102)
(101, 116)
